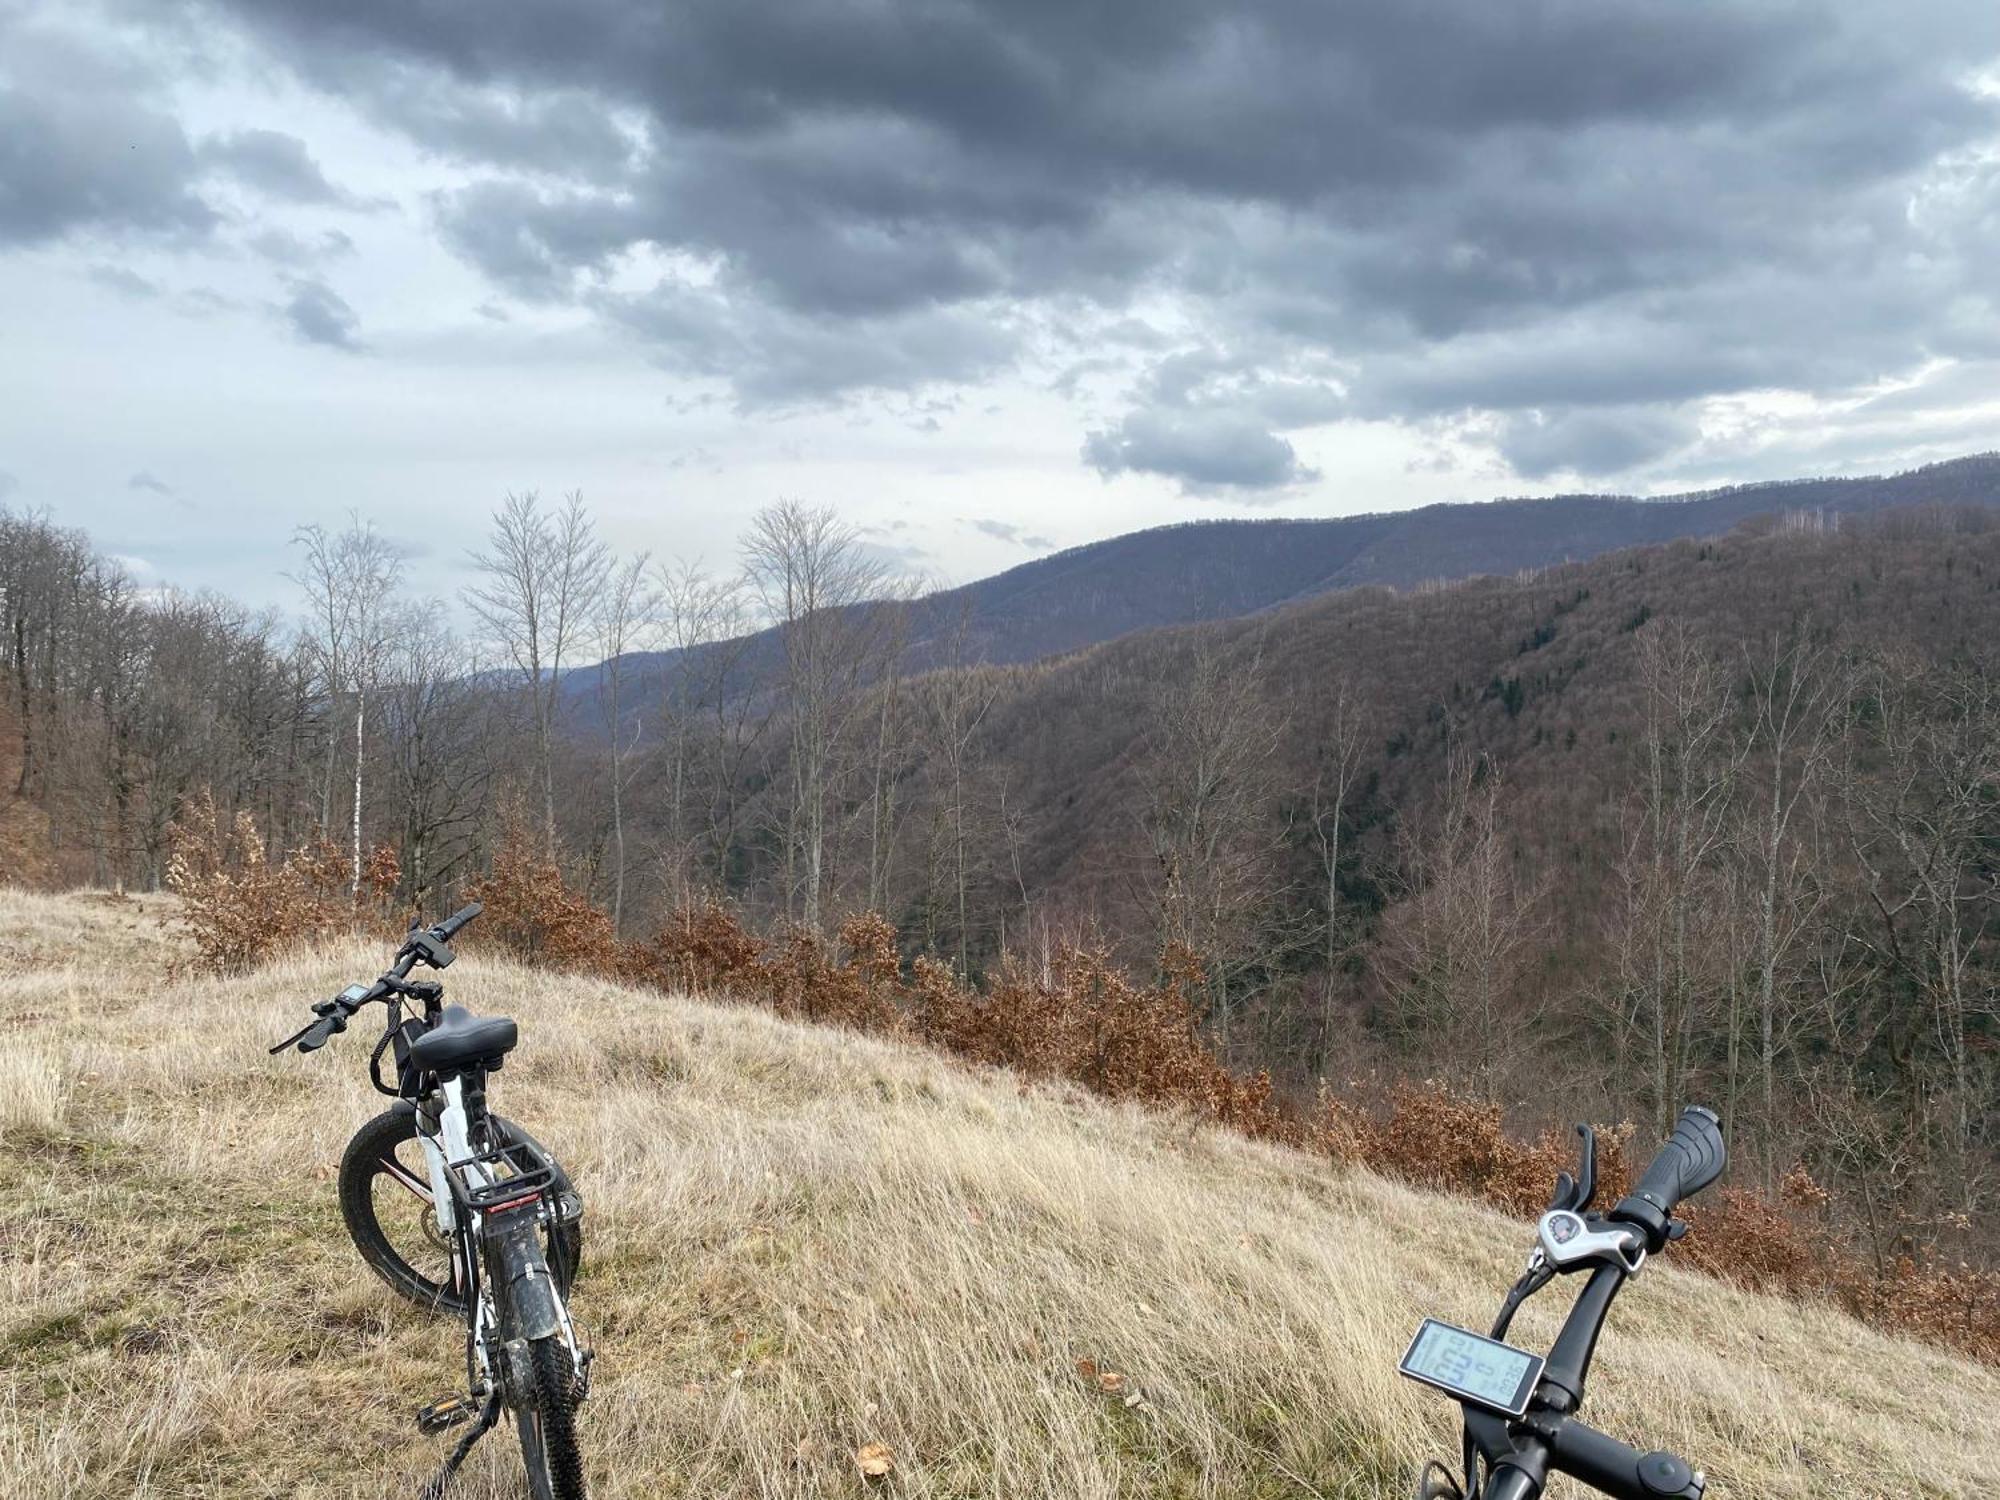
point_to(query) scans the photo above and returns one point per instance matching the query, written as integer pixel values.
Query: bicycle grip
(449, 927)
(1692, 1158)
(317, 1035)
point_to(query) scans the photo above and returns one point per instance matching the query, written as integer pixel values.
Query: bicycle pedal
(444, 1413)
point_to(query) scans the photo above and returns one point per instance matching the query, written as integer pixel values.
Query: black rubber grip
(1692, 1158)
(448, 928)
(317, 1036)
(1606, 1464)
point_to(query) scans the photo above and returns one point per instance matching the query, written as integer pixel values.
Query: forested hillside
(1215, 570)
(1709, 819)
(1714, 819)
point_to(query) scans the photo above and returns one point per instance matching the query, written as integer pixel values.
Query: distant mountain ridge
(1223, 569)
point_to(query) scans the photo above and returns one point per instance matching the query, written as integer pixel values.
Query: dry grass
(799, 1241)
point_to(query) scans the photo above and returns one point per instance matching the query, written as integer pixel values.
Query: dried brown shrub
(1087, 1021)
(1438, 1139)
(1753, 1242)
(241, 910)
(1959, 1308)
(854, 983)
(532, 912)
(701, 948)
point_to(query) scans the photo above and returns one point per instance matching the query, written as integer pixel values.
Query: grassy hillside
(799, 1242)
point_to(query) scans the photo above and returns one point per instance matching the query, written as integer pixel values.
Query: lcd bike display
(1483, 1371)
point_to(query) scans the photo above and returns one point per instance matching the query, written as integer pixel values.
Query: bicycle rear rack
(528, 1180)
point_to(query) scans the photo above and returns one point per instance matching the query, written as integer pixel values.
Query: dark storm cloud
(319, 315)
(272, 163)
(564, 131)
(71, 161)
(776, 357)
(87, 147)
(1414, 211)
(1591, 441)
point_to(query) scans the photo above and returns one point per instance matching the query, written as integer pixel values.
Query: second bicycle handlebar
(1599, 1460)
(1550, 1438)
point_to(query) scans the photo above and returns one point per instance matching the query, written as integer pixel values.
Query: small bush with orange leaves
(240, 909)
(1438, 1137)
(1086, 1021)
(534, 915)
(701, 949)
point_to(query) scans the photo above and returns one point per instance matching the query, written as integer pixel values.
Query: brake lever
(1586, 1168)
(1573, 1193)
(1565, 1193)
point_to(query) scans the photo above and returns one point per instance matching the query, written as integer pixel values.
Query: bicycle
(1521, 1408)
(464, 1213)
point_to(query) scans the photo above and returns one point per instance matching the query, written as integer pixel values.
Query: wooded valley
(1714, 819)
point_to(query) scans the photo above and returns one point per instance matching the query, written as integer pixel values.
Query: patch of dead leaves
(1112, 1383)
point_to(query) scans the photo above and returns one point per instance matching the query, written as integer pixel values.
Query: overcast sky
(992, 277)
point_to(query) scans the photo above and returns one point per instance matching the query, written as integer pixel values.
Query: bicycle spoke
(396, 1172)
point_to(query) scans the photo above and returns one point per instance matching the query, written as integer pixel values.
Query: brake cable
(1529, 1282)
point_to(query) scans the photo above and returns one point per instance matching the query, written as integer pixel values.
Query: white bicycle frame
(453, 1143)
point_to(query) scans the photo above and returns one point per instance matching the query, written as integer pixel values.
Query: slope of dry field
(799, 1242)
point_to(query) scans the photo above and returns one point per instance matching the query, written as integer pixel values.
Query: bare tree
(627, 619)
(1210, 817)
(1670, 948)
(348, 579)
(953, 702)
(712, 714)
(543, 570)
(1336, 765)
(814, 578)
(1455, 949)
(434, 722)
(1791, 691)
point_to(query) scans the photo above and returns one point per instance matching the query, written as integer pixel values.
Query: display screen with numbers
(1483, 1371)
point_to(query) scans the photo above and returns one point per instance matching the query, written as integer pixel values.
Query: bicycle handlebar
(1619, 1468)
(1692, 1158)
(1522, 1453)
(1567, 1446)
(426, 944)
